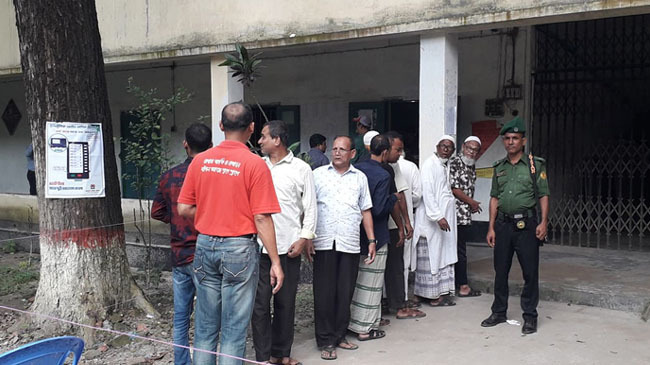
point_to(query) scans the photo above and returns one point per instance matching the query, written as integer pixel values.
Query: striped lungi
(365, 310)
(428, 285)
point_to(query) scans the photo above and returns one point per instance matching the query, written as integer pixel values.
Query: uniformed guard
(518, 183)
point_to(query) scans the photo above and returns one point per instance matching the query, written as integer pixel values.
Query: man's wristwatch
(372, 240)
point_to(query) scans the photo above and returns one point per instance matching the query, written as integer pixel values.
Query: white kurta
(437, 202)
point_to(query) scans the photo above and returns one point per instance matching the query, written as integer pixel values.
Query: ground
(568, 333)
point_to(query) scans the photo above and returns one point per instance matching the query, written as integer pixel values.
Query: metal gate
(591, 111)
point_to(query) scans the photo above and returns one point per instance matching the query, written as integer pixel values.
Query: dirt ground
(111, 348)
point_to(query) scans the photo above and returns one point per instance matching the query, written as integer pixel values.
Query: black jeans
(335, 275)
(460, 268)
(274, 337)
(31, 178)
(510, 239)
(394, 274)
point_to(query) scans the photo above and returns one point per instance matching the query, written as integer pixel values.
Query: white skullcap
(472, 138)
(369, 136)
(446, 136)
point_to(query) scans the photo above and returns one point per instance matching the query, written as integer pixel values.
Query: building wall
(194, 77)
(145, 29)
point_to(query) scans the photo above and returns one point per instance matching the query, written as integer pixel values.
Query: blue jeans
(226, 272)
(183, 286)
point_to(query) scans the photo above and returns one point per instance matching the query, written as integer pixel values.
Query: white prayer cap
(446, 136)
(473, 138)
(369, 136)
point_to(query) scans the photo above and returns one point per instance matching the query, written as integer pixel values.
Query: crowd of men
(240, 223)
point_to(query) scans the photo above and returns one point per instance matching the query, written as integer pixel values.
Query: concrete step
(596, 277)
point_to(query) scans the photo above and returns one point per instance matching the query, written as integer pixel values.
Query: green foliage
(9, 247)
(301, 155)
(148, 149)
(13, 278)
(244, 65)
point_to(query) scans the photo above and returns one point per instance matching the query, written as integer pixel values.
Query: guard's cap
(516, 125)
(363, 120)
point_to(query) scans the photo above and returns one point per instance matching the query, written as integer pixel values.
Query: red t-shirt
(229, 185)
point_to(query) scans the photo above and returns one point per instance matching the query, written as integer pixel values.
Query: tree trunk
(84, 271)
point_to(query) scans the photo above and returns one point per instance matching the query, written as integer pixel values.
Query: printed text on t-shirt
(225, 170)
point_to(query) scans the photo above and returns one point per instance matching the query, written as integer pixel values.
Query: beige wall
(151, 29)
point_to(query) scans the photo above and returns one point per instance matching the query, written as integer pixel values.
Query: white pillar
(438, 90)
(225, 89)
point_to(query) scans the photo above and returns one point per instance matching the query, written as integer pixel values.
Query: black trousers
(510, 240)
(31, 178)
(394, 274)
(460, 268)
(335, 275)
(274, 336)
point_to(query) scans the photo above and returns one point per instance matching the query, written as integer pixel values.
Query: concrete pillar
(438, 90)
(225, 89)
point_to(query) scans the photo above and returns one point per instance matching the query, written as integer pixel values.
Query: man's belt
(517, 216)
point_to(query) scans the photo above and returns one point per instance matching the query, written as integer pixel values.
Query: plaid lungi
(428, 285)
(365, 310)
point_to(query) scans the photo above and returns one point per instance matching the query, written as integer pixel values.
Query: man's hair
(393, 135)
(278, 129)
(316, 139)
(198, 137)
(236, 116)
(379, 144)
(348, 138)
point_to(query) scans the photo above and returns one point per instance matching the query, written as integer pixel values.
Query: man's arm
(396, 214)
(310, 212)
(541, 230)
(266, 232)
(404, 211)
(366, 220)
(460, 195)
(186, 210)
(159, 209)
(494, 204)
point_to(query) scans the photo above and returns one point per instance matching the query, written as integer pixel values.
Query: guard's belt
(529, 213)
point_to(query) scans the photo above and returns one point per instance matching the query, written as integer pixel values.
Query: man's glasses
(340, 150)
(448, 147)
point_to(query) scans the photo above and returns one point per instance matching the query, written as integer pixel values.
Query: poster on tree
(74, 160)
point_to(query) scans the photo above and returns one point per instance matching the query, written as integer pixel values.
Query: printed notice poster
(74, 160)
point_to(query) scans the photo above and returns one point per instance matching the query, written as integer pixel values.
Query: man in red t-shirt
(229, 192)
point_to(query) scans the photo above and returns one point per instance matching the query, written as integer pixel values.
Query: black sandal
(372, 335)
(328, 353)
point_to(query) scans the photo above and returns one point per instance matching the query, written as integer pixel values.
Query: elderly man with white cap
(435, 229)
(462, 177)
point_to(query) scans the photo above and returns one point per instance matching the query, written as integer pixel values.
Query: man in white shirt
(435, 229)
(344, 203)
(294, 228)
(411, 174)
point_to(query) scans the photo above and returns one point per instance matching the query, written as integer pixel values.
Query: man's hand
(444, 225)
(409, 231)
(296, 248)
(490, 237)
(277, 277)
(400, 243)
(541, 231)
(309, 250)
(475, 206)
(372, 252)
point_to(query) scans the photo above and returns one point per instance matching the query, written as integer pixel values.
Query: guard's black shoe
(493, 320)
(530, 326)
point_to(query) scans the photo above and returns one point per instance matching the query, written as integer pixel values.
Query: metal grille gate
(591, 111)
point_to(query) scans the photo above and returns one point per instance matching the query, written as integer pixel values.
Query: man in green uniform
(514, 225)
(363, 126)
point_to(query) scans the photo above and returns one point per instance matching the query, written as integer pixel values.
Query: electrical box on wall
(494, 108)
(512, 92)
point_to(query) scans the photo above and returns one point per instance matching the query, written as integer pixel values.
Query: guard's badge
(521, 224)
(515, 129)
(542, 175)
(501, 173)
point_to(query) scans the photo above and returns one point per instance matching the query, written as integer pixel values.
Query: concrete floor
(579, 289)
(568, 334)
